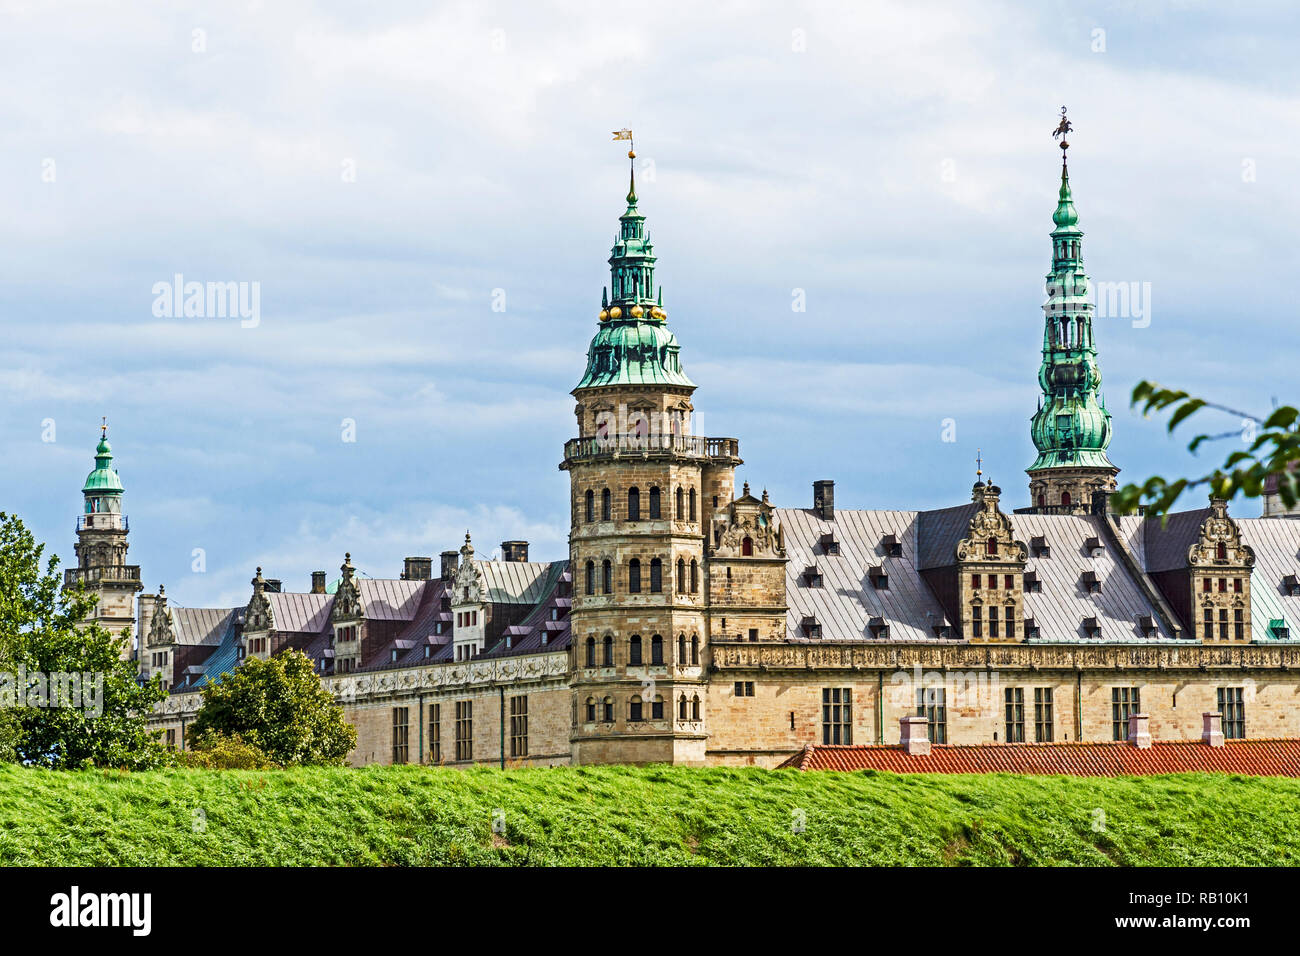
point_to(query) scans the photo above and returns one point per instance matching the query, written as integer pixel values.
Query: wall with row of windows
(636, 709)
(639, 577)
(639, 652)
(647, 507)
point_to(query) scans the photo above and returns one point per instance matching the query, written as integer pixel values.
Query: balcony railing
(640, 446)
(114, 574)
(102, 521)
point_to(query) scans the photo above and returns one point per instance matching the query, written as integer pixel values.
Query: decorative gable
(750, 529)
(347, 599)
(258, 616)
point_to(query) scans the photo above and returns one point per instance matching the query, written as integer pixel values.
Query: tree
(69, 699)
(1274, 449)
(279, 707)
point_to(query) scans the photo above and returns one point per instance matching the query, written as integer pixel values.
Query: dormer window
(878, 628)
(1091, 582)
(1091, 627)
(1291, 585)
(1032, 584)
(1221, 551)
(1039, 547)
(1092, 545)
(829, 544)
(812, 577)
(1031, 629)
(394, 657)
(891, 545)
(1147, 625)
(811, 629)
(991, 547)
(879, 579)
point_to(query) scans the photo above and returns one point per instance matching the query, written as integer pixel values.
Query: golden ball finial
(637, 311)
(615, 313)
(631, 154)
(604, 315)
(657, 313)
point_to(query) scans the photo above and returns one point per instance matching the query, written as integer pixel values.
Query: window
(1221, 551)
(1009, 582)
(695, 577)
(634, 650)
(837, 715)
(681, 650)
(1223, 623)
(1236, 585)
(976, 623)
(634, 710)
(606, 510)
(656, 576)
(680, 513)
(591, 652)
(993, 621)
(634, 576)
(435, 733)
(695, 651)
(753, 634)
(744, 688)
(1232, 706)
(633, 504)
(654, 504)
(681, 707)
(1205, 585)
(519, 726)
(401, 734)
(657, 708)
(692, 499)
(1124, 701)
(1207, 619)
(606, 577)
(747, 547)
(1011, 622)
(1239, 624)
(591, 505)
(1015, 708)
(607, 706)
(656, 650)
(932, 704)
(607, 659)
(1043, 727)
(464, 730)
(171, 739)
(695, 707)
(975, 580)
(1065, 499)
(681, 576)
(1223, 585)
(991, 548)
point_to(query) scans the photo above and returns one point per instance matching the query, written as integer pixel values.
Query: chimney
(914, 738)
(1212, 735)
(417, 569)
(450, 562)
(318, 582)
(514, 550)
(272, 586)
(1139, 730)
(824, 499)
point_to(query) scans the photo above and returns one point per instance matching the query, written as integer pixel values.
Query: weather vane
(627, 135)
(1065, 127)
(979, 464)
(103, 428)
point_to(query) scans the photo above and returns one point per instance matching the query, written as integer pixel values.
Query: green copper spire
(1072, 428)
(633, 345)
(103, 482)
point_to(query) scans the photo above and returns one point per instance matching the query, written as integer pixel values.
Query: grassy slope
(654, 816)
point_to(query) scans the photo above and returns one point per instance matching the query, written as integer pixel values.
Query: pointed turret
(1072, 428)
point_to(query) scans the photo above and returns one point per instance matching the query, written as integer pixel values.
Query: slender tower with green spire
(101, 545)
(1072, 427)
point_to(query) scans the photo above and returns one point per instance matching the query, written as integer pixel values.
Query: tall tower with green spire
(644, 495)
(1072, 427)
(101, 545)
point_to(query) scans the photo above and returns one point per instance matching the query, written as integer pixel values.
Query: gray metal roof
(1276, 543)
(519, 582)
(201, 625)
(938, 534)
(388, 599)
(306, 613)
(847, 600)
(1166, 547)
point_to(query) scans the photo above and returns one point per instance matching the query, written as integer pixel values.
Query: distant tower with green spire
(1072, 427)
(101, 545)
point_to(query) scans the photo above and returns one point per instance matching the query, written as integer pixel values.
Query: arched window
(695, 707)
(607, 577)
(656, 650)
(634, 504)
(681, 707)
(1221, 551)
(591, 577)
(695, 577)
(591, 710)
(991, 547)
(656, 576)
(607, 660)
(591, 652)
(591, 505)
(1065, 499)
(692, 497)
(634, 576)
(606, 510)
(681, 576)
(634, 709)
(695, 650)
(654, 504)
(681, 505)
(681, 650)
(747, 547)
(609, 710)
(657, 708)
(634, 650)
(1042, 501)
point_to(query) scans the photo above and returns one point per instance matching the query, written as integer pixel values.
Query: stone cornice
(728, 656)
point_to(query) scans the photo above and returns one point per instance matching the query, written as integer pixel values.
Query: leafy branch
(1273, 448)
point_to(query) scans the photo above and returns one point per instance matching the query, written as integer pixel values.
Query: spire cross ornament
(1061, 130)
(979, 464)
(103, 428)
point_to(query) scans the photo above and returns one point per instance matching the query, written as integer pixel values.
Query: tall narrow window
(1124, 702)
(681, 650)
(976, 621)
(695, 707)
(1239, 624)
(1207, 621)
(591, 710)
(634, 576)
(747, 547)
(1065, 499)
(607, 658)
(634, 709)
(634, 650)
(519, 726)
(991, 547)
(606, 507)
(633, 504)
(464, 730)
(695, 577)
(1232, 706)
(591, 652)
(435, 733)
(654, 504)
(591, 505)
(932, 704)
(837, 715)
(656, 576)
(607, 577)
(607, 708)
(692, 499)
(1043, 726)
(695, 651)
(1015, 714)
(656, 650)
(681, 505)
(657, 708)
(591, 577)
(681, 576)
(401, 734)
(681, 707)
(993, 621)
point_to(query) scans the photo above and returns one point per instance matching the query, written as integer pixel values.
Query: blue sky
(892, 160)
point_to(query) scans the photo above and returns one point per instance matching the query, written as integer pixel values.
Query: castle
(694, 624)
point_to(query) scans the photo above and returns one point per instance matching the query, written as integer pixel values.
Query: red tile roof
(1265, 758)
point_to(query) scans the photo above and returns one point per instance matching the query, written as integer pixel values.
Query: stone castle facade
(696, 623)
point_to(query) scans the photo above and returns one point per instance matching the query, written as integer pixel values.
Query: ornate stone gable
(258, 616)
(990, 573)
(1220, 530)
(990, 536)
(468, 586)
(1220, 565)
(162, 629)
(347, 599)
(749, 519)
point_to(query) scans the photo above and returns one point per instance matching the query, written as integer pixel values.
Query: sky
(425, 195)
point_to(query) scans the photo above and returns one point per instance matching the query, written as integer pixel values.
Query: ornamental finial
(631, 155)
(103, 427)
(979, 464)
(1062, 129)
